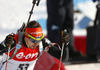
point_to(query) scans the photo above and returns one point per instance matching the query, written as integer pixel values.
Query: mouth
(33, 47)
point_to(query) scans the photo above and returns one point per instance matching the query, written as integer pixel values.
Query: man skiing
(26, 57)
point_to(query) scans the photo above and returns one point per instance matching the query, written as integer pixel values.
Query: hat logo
(36, 32)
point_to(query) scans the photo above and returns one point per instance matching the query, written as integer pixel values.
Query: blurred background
(13, 13)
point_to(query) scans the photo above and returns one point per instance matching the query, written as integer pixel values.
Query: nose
(36, 44)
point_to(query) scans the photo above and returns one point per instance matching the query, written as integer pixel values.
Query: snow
(88, 8)
(90, 66)
(14, 12)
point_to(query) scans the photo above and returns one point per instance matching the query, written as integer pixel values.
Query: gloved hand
(8, 39)
(65, 38)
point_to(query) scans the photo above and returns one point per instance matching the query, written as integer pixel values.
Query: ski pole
(31, 12)
(63, 44)
(9, 46)
(61, 55)
(8, 55)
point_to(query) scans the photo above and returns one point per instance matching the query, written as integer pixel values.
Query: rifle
(31, 12)
(22, 29)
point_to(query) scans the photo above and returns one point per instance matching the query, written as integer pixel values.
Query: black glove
(65, 38)
(8, 39)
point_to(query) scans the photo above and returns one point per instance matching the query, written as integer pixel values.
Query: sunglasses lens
(34, 41)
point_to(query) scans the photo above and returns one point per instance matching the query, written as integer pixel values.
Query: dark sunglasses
(34, 41)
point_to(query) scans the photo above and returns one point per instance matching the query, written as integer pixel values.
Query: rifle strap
(18, 46)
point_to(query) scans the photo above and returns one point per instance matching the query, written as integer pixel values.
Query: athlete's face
(30, 44)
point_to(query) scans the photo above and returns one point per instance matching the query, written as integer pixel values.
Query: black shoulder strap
(18, 46)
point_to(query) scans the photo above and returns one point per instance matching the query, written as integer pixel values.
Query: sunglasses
(33, 39)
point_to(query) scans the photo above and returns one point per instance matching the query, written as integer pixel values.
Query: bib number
(23, 67)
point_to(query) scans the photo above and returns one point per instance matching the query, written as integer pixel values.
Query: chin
(33, 47)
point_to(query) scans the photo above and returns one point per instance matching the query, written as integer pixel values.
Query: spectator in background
(60, 17)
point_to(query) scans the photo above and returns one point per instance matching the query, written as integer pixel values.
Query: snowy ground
(92, 66)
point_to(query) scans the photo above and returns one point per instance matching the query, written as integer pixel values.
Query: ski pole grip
(64, 33)
(8, 44)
